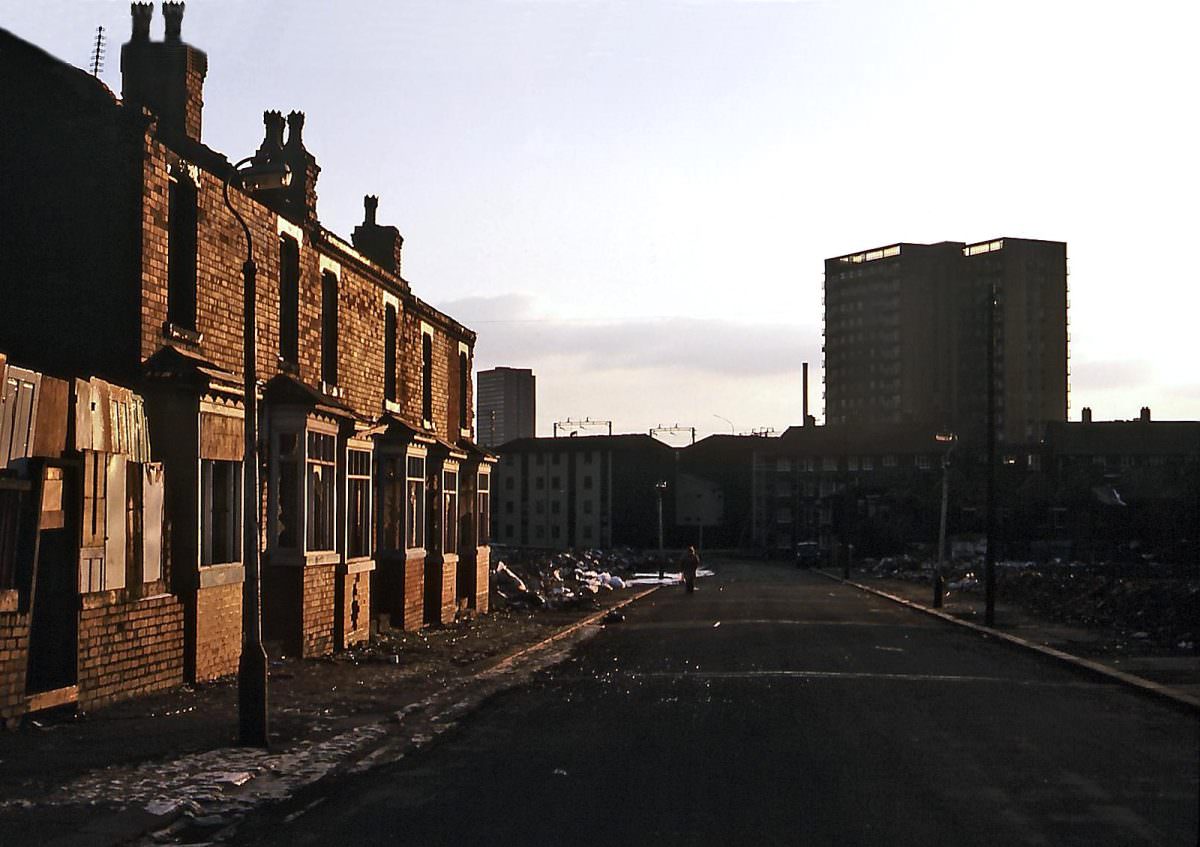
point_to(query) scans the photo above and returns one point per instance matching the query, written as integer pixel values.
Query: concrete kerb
(508, 661)
(1145, 686)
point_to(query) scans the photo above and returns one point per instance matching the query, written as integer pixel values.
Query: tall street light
(262, 174)
(989, 579)
(939, 577)
(660, 487)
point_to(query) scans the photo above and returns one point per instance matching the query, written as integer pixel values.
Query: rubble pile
(1148, 603)
(556, 580)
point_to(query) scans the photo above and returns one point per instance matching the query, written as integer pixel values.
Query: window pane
(416, 513)
(485, 512)
(220, 536)
(359, 518)
(320, 501)
(287, 492)
(392, 514)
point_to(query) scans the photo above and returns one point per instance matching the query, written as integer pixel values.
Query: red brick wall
(355, 609)
(440, 589)
(218, 631)
(318, 610)
(399, 590)
(128, 647)
(14, 659)
(309, 626)
(473, 575)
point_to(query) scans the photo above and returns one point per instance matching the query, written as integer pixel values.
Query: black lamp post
(939, 577)
(989, 577)
(262, 174)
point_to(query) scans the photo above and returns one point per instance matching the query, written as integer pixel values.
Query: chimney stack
(167, 76)
(300, 197)
(1144, 417)
(380, 244)
(1086, 414)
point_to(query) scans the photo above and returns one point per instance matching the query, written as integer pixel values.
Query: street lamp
(939, 577)
(659, 488)
(989, 573)
(262, 174)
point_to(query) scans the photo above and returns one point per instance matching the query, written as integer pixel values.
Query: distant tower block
(506, 405)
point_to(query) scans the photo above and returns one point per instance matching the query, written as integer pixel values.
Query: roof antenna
(98, 52)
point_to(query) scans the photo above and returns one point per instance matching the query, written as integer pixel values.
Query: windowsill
(10, 600)
(415, 553)
(322, 557)
(359, 565)
(391, 406)
(464, 432)
(330, 389)
(229, 573)
(175, 332)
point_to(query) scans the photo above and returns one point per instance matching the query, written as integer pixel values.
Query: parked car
(808, 553)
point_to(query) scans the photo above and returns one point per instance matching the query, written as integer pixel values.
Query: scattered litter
(568, 579)
(162, 807)
(559, 772)
(233, 777)
(717, 624)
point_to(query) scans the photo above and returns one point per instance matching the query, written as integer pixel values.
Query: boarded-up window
(115, 539)
(18, 402)
(152, 520)
(133, 523)
(94, 488)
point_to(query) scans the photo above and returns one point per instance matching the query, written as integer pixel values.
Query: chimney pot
(370, 205)
(1145, 414)
(142, 13)
(272, 143)
(295, 124)
(173, 13)
(1086, 415)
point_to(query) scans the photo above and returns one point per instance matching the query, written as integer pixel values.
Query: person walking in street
(689, 564)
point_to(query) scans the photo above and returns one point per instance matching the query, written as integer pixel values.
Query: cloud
(514, 331)
(1108, 375)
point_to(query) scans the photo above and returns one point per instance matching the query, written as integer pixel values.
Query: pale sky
(635, 199)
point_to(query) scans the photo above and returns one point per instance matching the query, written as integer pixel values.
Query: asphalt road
(775, 706)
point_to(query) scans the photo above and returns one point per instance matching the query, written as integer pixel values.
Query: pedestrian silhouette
(689, 564)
